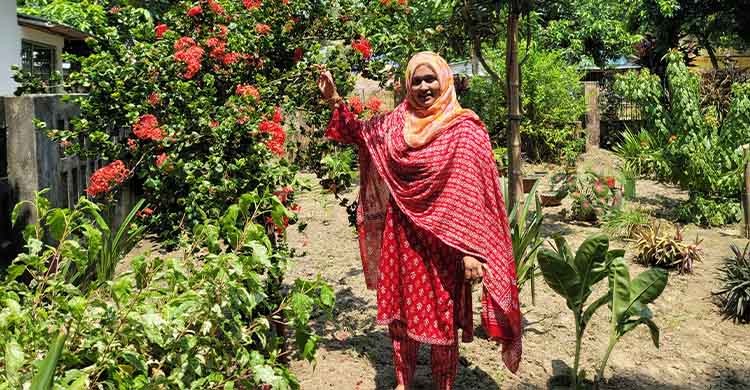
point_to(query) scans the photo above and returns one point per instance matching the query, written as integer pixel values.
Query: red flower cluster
(115, 10)
(132, 145)
(195, 11)
(154, 99)
(103, 179)
(283, 194)
(160, 30)
(262, 28)
(216, 7)
(252, 4)
(160, 159)
(362, 45)
(278, 116)
(610, 182)
(356, 104)
(218, 48)
(145, 213)
(189, 53)
(223, 30)
(373, 104)
(248, 90)
(278, 136)
(147, 128)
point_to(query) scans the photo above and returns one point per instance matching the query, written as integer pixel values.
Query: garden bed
(698, 349)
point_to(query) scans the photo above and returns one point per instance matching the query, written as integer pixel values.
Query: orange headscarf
(422, 125)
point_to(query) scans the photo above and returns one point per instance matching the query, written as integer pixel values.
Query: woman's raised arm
(344, 126)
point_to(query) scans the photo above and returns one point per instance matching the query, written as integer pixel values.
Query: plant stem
(610, 347)
(579, 340)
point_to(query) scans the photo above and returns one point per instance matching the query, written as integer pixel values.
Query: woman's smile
(425, 86)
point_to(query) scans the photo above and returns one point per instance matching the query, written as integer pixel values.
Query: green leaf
(654, 330)
(647, 286)
(81, 383)
(592, 251)
(301, 306)
(56, 224)
(594, 306)
(260, 254)
(248, 200)
(327, 296)
(44, 377)
(563, 249)
(559, 275)
(14, 358)
(620, 289)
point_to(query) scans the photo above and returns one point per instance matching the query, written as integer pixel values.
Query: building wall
(38, 36)
(10, 46)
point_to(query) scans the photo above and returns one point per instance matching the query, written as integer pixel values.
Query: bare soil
(699, 350)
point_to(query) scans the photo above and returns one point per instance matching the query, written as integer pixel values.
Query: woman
(431, 221)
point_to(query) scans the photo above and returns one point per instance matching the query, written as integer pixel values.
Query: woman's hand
(326, 85)
(473, 269)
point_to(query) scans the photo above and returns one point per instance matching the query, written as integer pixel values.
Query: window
(38, 59)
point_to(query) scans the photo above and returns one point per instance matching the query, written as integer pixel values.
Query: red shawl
(450, 188)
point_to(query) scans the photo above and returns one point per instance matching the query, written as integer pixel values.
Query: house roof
(464, 68)
(51, 27)
(620, 63)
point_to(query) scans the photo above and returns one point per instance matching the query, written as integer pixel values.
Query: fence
(35, 162)
(616, 114)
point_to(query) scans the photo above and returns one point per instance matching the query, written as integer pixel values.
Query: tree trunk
(515, 188)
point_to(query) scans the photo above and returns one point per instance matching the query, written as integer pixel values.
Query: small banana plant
(628, 301)
(573, 277)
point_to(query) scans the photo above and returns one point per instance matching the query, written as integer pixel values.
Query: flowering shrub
(105, 178)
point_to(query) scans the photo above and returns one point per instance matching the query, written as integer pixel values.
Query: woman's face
(425, 86)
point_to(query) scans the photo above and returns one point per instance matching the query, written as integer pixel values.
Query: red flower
(145, 213)
(132, 145)
(356, 104)
(189, 53)
(262, 28)
(248, 90)
(147, 128)
(104, 178)
(160, 159)
(403, 2)
(160, 30)
(298, 53)
(231, 58)
(223, 30)
(154, 99)
(278, 116)
(195, 11)
(285, 2)
(362, 45)
(611, 182)
(283, 194)
(252, 4)
(218, 48)
(214, 124)
(216, 7)
(115, 10)
(385, 2)
(278, 136)
(296, 208)
(373, 104)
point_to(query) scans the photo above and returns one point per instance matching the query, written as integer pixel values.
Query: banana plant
(628, 302)
(574, 276)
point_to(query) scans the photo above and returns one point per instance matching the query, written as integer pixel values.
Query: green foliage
(85, 15)
(734, 293)
(551, 98)
(625, 222)
(338, 169)
(710, 211)
(211, 317)
(658, 248)
(574, 276)
(593, 197)
(29, 83)
(684, 144)
(525, 225)
(629, 301)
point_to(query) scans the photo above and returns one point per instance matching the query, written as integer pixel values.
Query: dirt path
(698, 349)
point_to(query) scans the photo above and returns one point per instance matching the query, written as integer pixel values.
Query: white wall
(10, 45)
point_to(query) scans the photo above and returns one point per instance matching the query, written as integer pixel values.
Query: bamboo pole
(746, 195)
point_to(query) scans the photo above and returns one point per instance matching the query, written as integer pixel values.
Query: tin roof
(51, 27)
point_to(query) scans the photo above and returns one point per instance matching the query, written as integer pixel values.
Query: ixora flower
(216, 7)
(160, 159)
(106, 177)
(356, 104)
(154, 99)
(362, 45)
(373, 104)
(278, 136)
(189, 53)
(252, 4)
(132, 145)
(278, 116)
(147, 128)
(262, 28)
(283, 194)
(248, 90)
(160, 30)
(195, 11)
(145, 213)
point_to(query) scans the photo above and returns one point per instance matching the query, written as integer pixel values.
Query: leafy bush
(734, 294)
(710, 212)
(593, 196)
(661, 249)
(625, 222)
(552, 100)
(338, 170)
(212, 317)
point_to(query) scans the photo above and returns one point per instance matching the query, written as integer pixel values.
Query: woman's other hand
(326, 85)
(473, 269)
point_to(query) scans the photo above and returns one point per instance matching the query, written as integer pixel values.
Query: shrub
(338, 170)
(734, 294)
(658, 248)
(592, 195)
(625, 222)
(213, 317)
(710, 212)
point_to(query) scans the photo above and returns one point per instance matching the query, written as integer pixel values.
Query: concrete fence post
(593, 117)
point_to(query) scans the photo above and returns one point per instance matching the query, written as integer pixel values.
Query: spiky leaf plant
(735, 292)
